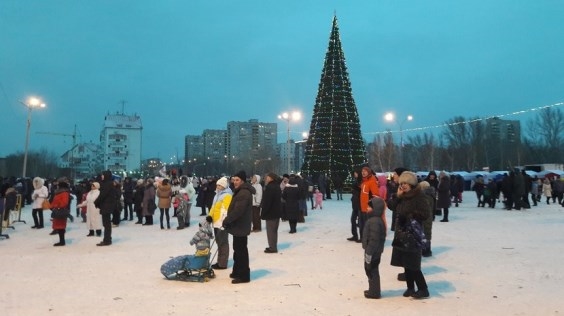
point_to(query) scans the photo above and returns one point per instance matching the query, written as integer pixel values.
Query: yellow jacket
(222, 198)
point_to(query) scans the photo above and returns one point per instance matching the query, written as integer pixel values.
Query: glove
(367, 258)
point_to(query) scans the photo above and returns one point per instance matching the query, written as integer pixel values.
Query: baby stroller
(193, 268)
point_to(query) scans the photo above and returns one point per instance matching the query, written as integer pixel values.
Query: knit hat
(96, 185)
(408, 177)
(399, 170)
(377, 204)
(241, 175)
(223, 182)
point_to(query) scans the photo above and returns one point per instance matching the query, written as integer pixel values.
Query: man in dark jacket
(238, 224)
(106, 202)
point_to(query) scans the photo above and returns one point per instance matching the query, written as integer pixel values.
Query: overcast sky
(186, 66)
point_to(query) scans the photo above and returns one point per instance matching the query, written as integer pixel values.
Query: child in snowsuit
(373, 238)
(318, 196)
(202, 237)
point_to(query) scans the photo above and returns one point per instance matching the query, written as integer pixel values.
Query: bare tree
(424, 154)
(545, 137)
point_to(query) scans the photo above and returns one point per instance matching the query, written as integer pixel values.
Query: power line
(539, 108)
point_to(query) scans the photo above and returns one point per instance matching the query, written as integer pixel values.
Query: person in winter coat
(238, 224)
(454, 193)
(547, 190)
(479, 187)
(62, 200)
(519, 189)
(355, 204)
(412, 208)
(106, 202)
(40, 193)
(271, 210)
(149, 205)
(128, 189)
(373, 239)
(318, 196)
(491, 189)
(218, 212)
(368, 189)
(201, 199)
(180, 204)
(291, 196)
(430, 194)
(257, 198)
(443, 194)
(93, 218)
(394, 185)
(164, 193)
(138, 200)
(203, 237)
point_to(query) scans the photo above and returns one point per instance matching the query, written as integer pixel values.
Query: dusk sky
(186, 66)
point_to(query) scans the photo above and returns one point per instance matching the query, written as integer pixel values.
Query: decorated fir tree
(335, 145)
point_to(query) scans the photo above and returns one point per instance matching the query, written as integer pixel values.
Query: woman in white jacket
(93, 217)
(40, 193)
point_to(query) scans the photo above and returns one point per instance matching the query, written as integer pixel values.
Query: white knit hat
(223, 182)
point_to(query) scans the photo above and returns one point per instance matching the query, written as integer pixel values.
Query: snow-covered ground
(485, 262)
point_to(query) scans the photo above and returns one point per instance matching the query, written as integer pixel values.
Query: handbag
(60, 213)
(46, 205)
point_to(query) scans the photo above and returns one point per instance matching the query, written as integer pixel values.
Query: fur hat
(223, 182)
(424, 185)
(408, 177)
(241, 175)
(96, 185)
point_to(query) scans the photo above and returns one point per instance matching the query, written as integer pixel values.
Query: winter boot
(61, 238)
(91, 233)
(427, 251)
(98, 232)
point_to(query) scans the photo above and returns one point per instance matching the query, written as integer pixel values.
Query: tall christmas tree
(335, 145)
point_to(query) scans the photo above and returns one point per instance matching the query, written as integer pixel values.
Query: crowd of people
(237, 205)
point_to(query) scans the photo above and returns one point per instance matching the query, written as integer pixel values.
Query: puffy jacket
(239, 213)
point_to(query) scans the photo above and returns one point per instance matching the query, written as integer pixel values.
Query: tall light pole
(294, 116)
(31, 104)
(390, 117)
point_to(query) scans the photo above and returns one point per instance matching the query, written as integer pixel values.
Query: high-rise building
(251, 140)
(120, 140)
(215, 147)
(335, 143)
(193, 147)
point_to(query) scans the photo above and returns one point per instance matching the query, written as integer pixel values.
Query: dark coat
(291, 196)
(149, 205)
(410, 205)
(374, 234)
(240, 211)
(128, 188)
(271, 204)
(443, 192)
(108, 199)
(138, 196)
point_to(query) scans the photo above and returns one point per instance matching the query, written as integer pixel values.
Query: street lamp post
(32, 103)
(390, 117)
(294, 116)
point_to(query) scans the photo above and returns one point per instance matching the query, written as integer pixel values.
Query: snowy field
(485, 262)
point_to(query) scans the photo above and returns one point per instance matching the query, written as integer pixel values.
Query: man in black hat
(238, 224)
